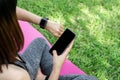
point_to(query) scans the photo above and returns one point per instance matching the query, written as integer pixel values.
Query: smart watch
(43, 23)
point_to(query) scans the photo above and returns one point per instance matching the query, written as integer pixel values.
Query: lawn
(96, 24)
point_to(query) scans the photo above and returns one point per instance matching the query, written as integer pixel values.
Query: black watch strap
(43, 23)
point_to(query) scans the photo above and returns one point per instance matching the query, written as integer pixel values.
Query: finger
(60, 32)
(58, 35)
(54, 53)
(61, 29)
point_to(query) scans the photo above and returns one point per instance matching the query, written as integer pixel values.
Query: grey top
(37, 55)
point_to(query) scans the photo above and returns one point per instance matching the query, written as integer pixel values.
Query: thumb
(54, 53)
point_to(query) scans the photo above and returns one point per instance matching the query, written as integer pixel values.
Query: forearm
(27, 16)
(55, 74)
(51, 26)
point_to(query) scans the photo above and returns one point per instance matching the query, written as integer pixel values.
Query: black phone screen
(63, 41)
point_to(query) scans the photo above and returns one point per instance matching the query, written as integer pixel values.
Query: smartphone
(62, 43)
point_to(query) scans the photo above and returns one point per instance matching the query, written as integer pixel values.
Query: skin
(53, 27)
(58, 62)
(16, 73)
(13, 73)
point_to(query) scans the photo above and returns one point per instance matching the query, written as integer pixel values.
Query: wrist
(43, 22)
(56, 68)
(54, 74)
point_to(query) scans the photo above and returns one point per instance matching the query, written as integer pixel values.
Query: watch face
(43, 23)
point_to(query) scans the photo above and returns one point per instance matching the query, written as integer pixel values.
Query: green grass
(97, 26)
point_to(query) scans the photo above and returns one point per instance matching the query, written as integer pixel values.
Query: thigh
(46, 61)
(33, 56)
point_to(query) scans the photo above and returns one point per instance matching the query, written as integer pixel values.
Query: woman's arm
(25, 15)
(53, 27)
(58, 61)
(55, 74)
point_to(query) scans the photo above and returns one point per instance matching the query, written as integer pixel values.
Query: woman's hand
(58, 61)
(54, 28)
